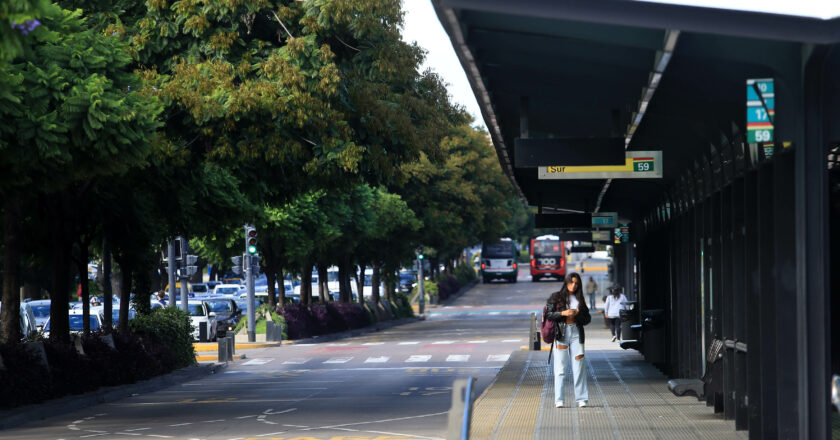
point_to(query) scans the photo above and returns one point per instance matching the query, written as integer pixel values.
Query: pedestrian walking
(568, 310)
(612, 310)
(591, 289)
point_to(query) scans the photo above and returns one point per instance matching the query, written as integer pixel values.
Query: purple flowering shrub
(27, 26)
(447, 287)
(321, 319)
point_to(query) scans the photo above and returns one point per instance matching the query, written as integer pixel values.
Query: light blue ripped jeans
(571, 339)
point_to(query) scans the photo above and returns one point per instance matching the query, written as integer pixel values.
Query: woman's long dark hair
(562, 296)
(616, 293)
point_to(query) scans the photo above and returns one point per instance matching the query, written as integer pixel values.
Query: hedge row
(450, 284)
(137, 355)
(319, 319)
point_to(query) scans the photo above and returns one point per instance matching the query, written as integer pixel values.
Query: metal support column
(812, 254)
(766, 302)
(752, 289)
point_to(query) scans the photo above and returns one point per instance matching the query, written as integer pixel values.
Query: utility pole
(248, 261)
(170, 255)
(422, 304)
(185, 291)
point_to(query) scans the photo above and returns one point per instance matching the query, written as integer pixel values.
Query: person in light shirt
(612, 310)
(568, 310)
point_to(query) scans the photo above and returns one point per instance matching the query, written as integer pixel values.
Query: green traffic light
(420, 256)
(252, 249)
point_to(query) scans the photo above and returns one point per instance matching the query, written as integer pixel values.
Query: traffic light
(237, 265)
(419, 252)
(251, 239)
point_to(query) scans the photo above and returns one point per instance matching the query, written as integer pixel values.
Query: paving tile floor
(628, 399)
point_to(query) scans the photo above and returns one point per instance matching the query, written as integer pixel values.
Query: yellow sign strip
(628, 166)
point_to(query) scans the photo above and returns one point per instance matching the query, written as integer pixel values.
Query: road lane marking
(442, 342)
(511, 340)
(495, 313)
(338, 344)
(158, 436)
(258, 361)
(182, 424)
(338, 360)
(213, 421)
(374, 343)
(419, 358)
(478, 342)
(498, 358)
(377, 360)
(135, 429)
(458, 358)
(409, 343)
(297, 361)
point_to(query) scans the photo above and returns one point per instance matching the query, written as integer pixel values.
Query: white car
(199, 312)
(227, 289)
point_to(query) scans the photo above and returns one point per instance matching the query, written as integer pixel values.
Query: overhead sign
(637, 165)
(761, 103)
(622, 233)
(605, 220)
(602, 235)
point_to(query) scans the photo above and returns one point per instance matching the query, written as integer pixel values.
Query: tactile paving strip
(628, 399)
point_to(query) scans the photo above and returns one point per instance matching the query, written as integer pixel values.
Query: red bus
(548, 257)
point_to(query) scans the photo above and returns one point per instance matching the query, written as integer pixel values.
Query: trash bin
(653, 325)
(628, 318)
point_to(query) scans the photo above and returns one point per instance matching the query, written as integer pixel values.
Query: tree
(71, 118)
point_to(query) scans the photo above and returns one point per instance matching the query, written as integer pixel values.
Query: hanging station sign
(761, 103)
(637, 165)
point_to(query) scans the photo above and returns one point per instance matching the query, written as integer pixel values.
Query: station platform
(628, 399)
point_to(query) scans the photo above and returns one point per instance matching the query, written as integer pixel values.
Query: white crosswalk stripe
(511, 340)
(442, 342)
(419, 358)
(498, 358)
(297, 361)
(478, 342)
(373, 343)
(409, 343)
(458, 358)
(495, 313)
(258, 361)
(338, 360)
(377, 360)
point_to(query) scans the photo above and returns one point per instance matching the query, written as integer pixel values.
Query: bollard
(202, 332)
(231, 341)
(535, 339)
(223, 350)
(269, 331)
(460, 413)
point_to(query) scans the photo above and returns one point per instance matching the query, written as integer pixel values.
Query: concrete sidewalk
(628, 399)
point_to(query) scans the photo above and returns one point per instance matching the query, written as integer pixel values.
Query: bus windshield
(548, 248)
(497, 250)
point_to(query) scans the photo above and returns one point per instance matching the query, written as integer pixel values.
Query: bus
(548, 257)
(498, 260)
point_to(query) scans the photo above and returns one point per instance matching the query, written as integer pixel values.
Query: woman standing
(612, 310)
(568, 309)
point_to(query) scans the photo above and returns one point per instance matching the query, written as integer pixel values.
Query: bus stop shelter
(732, 233)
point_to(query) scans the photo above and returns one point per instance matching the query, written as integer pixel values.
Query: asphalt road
(393, 384)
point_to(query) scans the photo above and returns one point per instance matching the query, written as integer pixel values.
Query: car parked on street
(41, 310)
(227, 289)
(77, 323)
(27, 320)
(199, 312)
(199, 289)
(227, 313)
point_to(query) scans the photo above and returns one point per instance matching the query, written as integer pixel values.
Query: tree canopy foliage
(133, 122)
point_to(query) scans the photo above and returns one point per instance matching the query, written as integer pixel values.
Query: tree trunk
(323, 289)
(281, 281)
(81, 265)
(374, 283)
(125, 297)
(10, 313)
(306, 284)
(344, 290)
(360, 283)
(271, 278)
(214, 273)
(107, 301)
